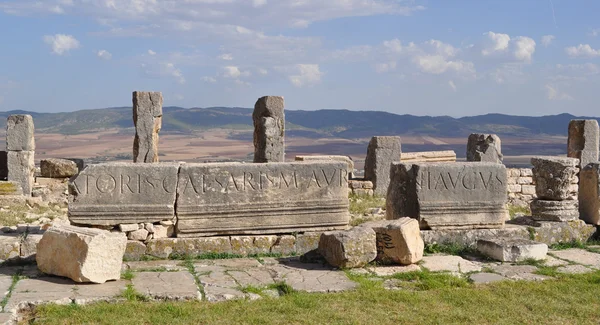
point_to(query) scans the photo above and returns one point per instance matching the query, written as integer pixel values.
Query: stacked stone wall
(521, 187)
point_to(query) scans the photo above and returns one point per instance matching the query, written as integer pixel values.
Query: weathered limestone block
(10, 246)
(21, 168)
(429, 156)
(547, 210)
(19, 133)
(165, 247)
(381, 152)
(583, 141)
(122, 193)
(81, 254)
(512, 250)
(147, 118)
(552, 232)
(469, 237)
(140, 234)
(398, 241)
(554, 177)
(345, 159)
(284, 245)
(589, 193)
(29, 245)
(58, 168)
(306, 242)
(441, 195)
(349, 249)
(269, 129)
(134, 250)
(237, 199)
(484, 147)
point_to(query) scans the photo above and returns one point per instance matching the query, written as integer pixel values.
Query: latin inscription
(230, 181)
(463, 180)
(123, 184)
(383, 242)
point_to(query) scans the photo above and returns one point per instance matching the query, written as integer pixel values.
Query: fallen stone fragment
(58, 168)
(350, 248)
(82, 254)
(485, 148)
(512, 250)
(398, 241)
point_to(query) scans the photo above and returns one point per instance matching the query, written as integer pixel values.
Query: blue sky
(445, 57)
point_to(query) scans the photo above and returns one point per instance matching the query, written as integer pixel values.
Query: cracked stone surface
(154, 265)
(553, 261)
(579, 256)
(311, 277)
(218, 284)
(390, 270)
(449, 263)
(518, 272)
(40, 290)
(486, 277)
(574, 269)
(178, 285)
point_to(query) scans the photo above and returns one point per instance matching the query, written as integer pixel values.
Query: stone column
(589, 193)
(20, 147)
(484, 147)
(382, 151)
(269, 129)
(147, 118)
(583, 142)
(556, 188)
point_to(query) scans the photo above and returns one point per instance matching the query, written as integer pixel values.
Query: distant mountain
(321, 123)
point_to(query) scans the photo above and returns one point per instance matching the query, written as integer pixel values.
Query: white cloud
(594, 32)
(502, 46)
(61, 44)
(226, 56)
(495, 42)
(151, 52)
(305, 74)
(452, 85)
(547, 40)
(163, 69)
(234, 72)
(442, 48)
(583, 50)
(437, 64)
(263, 72)
(552, 93)
(524, 48)
(385, 67)
(258, 3)
(394, 46)
(104, 54)
(209, 79)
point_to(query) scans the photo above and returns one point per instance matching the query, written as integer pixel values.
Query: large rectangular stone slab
(147, 118)
(21, 168)
(118, 193)
(589, 193)
(583, 142)
(440, 195)
(234, 198)
(381, 152)
(512, 250)
(19, 133)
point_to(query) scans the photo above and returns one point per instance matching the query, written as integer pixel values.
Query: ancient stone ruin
(381, 152)
(556, 188)
(147, 119)
(484, 147)
(583, 141)
(20, 146)
(269, 129)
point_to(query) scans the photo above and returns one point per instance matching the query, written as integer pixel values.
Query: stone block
(381, 152)
(21, 168)
(514, 188)
(58, 168)
(19, 133)
(134, 251)
(81, 254)
(79, 162)
(147, 118)
(583, 141)
(165, 247)
(512, 250)
(485, 148)
(306, 242)
(552, 232)
(120, 193)
(140, 234)
(269, 129)
(428, 156)
(398, 241)
(29, 245)
(242, 199)
(526, 172)
(589, 193)
(528, 189)
(440, 195)
(345, 159)
(349, 249)
(10, 246)
(525, 180)
(161, 231)
(547, 210)
(284, 245)
(128, 227)
(554, 176)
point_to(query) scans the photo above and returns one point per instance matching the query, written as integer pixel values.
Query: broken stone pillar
(58, 168)
(484, 147)
(512, 250)
(20, 146)
(556, 188)
(583, 142)
(269, 129)
(382, 151)
(348, 248)
(589, 193)
(398, 241)
(147, 118)
(81, 254)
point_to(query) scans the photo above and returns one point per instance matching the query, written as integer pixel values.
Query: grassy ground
(432, 299)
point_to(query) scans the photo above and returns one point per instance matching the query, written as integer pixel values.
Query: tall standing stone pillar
(20, 147)
(485, 148)
(382, 151)
(147, 118)
(583, 142)
(269, 129)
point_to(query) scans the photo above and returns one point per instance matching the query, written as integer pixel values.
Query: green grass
(127, 275)
(571, 300)
(131, 295)
(450, 249)
(514, 210)
(361, 204)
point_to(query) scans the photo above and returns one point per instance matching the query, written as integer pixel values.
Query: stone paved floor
(249, 278)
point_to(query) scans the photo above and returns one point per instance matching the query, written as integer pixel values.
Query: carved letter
(314, 177)
(106, 185)
(328, 180)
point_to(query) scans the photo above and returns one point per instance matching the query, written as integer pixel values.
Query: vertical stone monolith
(484, 147)
(382, 151)
(583, 141)
(269, 129)
(20, 146)
(147, 118)
(589, 193)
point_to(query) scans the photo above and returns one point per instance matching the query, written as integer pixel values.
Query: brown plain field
(223, 145)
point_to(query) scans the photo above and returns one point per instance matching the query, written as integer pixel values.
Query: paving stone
(311, 277)
(390, 270)
(257, 277)
(5, 283)
(86, 293)
(41, 290)
(167, 285)
(553, 261)
(218, 285)
(579, 256)
(154, 265)
(518, 272)
(484, 277)
(449, 263)
(574, 269)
